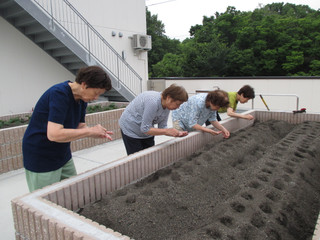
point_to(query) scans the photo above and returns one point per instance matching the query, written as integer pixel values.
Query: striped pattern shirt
(142, 114)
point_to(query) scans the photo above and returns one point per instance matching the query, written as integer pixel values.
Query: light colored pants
(37, 180)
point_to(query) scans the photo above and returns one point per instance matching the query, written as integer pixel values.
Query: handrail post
(89, 51)
(51, 14)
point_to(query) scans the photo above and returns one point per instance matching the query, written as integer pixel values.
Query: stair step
(51, 45)
(70, 59)
(44, 37)
(23, 21)
(13, 12)
(35, 28)
(60, 52)
(76, 66)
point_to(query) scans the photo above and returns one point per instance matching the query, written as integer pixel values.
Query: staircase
(61, 31)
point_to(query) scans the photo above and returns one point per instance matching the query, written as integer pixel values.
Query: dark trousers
(136, 144)
(218, 119)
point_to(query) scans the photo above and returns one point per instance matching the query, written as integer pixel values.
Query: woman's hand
(100, 132)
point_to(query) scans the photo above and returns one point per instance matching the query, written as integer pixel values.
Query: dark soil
(262, 183)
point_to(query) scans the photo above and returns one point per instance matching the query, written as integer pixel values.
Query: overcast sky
(179, 15)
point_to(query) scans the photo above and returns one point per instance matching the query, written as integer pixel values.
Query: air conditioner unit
(141, 42)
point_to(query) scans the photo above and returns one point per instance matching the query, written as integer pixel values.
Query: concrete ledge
(49, 213)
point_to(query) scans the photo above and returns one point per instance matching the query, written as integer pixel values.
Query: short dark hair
(177, 93)
(218, 98)
(247, 91)
(94, 77)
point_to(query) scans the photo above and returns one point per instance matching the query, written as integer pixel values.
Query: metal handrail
(279, 95)
(65, 15)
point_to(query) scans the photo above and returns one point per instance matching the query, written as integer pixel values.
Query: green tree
(275, 40)
(170, 65)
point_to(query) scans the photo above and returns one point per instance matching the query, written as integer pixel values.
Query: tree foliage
(275, 40)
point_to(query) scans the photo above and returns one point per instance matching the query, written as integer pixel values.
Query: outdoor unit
(141, 42)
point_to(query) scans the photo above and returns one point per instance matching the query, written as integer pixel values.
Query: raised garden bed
(51, 211)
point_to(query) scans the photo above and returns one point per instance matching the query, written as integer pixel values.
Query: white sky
(179, 15)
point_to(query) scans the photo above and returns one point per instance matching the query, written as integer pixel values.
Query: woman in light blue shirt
(192, 114)
(147, 109)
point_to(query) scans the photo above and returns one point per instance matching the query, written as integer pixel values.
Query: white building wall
(306, 89)
(26, 71)
(122, 18)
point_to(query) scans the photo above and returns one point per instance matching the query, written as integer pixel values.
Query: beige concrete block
(10, 163)
(126, 173)
(60, 197)
(67, 197)
(97, 183)
(122, 175)
(1, 166)
(74, 197)
(32, 224)
(52, 230)
(113, 179)
(60, 231)
(92, 189)
(86, 192)
(20, 230)
(103, 184)
(108, 181)
(53, 197)
(6, 133)
(8, 150)
(2, 140)
(13, 146)
(117, 177)
(26, 223)
(68, 233)
(20, 161)
(80, 196)
(15, 215)
(77, 236)
(38, 225)
(45, 228)
(3, 153)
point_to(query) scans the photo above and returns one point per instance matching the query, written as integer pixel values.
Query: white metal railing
(276, 95)
(66, 16)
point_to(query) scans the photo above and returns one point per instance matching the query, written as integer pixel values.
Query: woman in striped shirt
(147, 109)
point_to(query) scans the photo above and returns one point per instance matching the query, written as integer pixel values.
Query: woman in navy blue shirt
(59, 118)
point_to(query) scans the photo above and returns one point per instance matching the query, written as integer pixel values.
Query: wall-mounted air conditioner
(141, 42)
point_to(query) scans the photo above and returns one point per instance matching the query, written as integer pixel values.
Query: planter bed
(51, 211)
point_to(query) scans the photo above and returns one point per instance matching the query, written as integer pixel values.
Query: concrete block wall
(11, 139)
(50, 213)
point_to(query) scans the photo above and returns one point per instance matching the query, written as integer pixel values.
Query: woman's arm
(57, 133)
(232, 113)
(166, 131)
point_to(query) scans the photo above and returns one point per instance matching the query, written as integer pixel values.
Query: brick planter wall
(11, 138)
